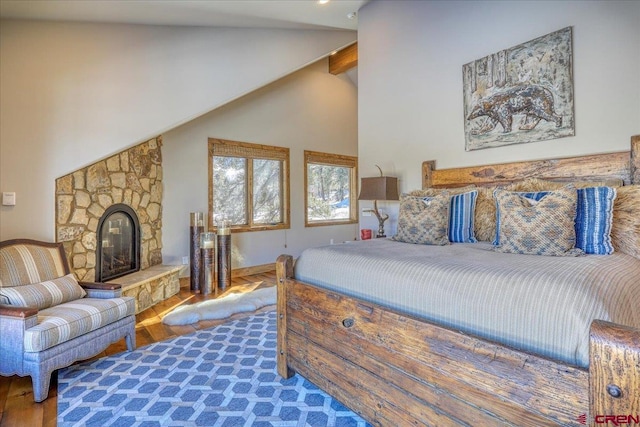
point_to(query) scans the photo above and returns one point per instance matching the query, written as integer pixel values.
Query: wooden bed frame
(398, 370)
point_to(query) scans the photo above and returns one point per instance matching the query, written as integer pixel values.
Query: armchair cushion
(25, 263)
(44, 294)
(72, 319)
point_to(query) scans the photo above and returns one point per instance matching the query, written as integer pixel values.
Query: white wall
(72, 93)
(410, 78)
(308, 110)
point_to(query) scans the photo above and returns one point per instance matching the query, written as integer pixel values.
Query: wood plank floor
(17, 408)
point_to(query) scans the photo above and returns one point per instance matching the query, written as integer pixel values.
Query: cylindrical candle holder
(224, 255)
(208, 254)
(196, 227)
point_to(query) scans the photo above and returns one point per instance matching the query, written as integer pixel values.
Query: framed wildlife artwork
(520, 94)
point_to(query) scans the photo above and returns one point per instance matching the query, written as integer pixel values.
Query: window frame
(250, 152)
(338, 160)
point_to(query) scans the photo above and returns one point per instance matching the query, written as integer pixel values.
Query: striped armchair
(49, 320)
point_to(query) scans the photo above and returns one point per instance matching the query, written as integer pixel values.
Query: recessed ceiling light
(352, 15)
(323, 1)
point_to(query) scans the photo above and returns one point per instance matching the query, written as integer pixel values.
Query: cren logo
(616, 420)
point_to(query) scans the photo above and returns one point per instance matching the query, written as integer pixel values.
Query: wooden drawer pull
(614, 391)
(348, 322)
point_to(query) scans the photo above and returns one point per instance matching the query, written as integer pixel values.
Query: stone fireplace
(131, 182)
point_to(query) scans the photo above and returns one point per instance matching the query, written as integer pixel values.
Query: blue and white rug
(224, 376)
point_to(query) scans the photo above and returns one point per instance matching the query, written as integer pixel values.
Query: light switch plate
(8, 198)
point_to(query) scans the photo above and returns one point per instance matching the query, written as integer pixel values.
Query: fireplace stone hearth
(151, 286)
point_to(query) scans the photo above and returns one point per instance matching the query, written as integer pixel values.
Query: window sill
(334, 222)
(247, 228)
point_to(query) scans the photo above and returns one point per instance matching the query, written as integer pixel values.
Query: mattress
(539, 304)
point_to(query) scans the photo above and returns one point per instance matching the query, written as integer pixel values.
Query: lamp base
(381, 220)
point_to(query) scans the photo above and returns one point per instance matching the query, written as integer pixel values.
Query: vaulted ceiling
(286, 14)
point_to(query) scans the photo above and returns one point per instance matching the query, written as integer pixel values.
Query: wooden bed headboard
(623, 166)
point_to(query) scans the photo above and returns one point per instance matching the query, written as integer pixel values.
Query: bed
(396, 366)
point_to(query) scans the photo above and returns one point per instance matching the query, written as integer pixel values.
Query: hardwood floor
(17, 408)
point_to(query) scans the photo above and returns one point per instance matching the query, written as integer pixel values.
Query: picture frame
(520, 94)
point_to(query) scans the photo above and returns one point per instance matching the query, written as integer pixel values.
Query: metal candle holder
(208, 255)
(196, 227)
(224, 255)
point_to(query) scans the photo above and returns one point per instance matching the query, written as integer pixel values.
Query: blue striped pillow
(594, 216)
(461, 217)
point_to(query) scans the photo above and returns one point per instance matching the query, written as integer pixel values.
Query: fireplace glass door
(118, 242)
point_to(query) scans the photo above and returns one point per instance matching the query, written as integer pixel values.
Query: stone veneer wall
(132, 177)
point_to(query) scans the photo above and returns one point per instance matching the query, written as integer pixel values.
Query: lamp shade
(379, 188)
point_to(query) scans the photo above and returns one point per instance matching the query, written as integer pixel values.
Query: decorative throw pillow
(485, 215)
(423, 221)
(485, 223)
(461, 217)
(532, 197)
(594, 217)
(44, 294)
(544, 227)
(625, 232)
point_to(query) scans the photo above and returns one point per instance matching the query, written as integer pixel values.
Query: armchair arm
(102, 290)
(100, 286)
(17, 311)
(14, 321)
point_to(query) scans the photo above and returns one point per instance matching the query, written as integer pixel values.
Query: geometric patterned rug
(223, 376)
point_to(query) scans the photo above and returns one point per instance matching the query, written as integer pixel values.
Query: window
(248, 185)
(331, 189)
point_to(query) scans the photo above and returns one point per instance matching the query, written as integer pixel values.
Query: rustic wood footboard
(397, 370)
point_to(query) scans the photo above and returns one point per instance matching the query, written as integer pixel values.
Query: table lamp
(379, 188)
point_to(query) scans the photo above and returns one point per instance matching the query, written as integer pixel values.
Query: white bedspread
(540, 304)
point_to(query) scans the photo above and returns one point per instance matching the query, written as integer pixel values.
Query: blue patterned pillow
(533, 195)
(461, 215)
(544, 227)
(594, 217)
(423, 221)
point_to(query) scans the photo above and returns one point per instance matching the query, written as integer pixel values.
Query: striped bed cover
(540, 304)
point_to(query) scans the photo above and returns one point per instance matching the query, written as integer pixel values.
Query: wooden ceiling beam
(344, 59)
